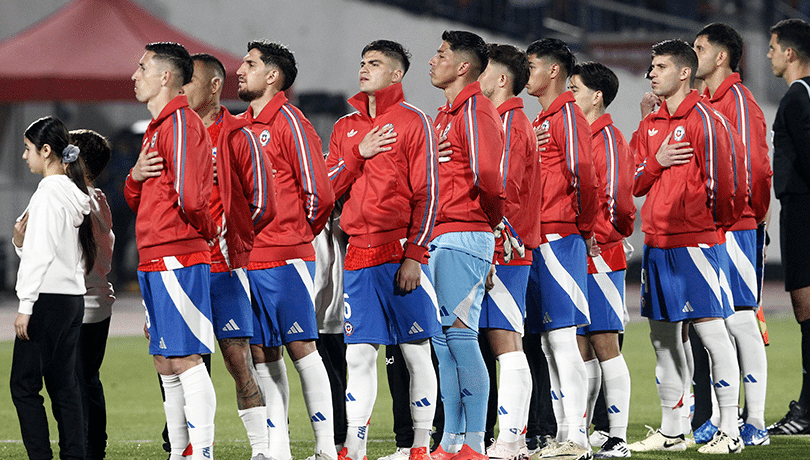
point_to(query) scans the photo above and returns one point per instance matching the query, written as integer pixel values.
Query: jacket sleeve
(190, 159)
(255, 172)
(303, 150)
(38, 250)
(739, 165)
(714, 152)
(648, 169)
(484, 138)
(132, 192)
(517, 152)
(423, 178)
(581, 173)
(759, 162)
(344, 164)
(622, 209)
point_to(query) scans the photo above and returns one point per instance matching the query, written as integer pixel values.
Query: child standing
(56, 247)
(95, 151)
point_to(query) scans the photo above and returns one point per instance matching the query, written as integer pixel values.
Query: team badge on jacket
(680, 132)
(545, 125)
(154, 141)
(446, 130)
(264, 137)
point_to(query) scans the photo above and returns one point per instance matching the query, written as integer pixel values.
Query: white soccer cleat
(570, 451)
(402, 453)
(656, 441)
(500, 450)
(722, 443)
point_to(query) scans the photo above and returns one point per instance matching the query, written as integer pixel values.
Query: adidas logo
(231, 326)
(162, 344)
(749, 379)
(652, 132)
(270, 424)
(351, 133)
(465, 392)
(421, 403)
(721, 384)
(546, 318)
(502, 411)
(444, 311)
(189, 424)
(318, 417)
(613, 410)
(687, 308)
(415, 329)
(349, 397)
(554, 396)
(295, 329)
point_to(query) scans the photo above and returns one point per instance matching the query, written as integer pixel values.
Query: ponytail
(52, 131)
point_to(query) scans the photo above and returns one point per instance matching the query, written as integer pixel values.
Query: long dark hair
(52, 131)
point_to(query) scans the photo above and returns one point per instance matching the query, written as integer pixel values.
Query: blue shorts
(458, 267)
(230, 304)
(283, 309)
(504, 306)
(742, 255)
(557, 293)
(606, 302)
(178, 311)
(376, 311)
(682, 283)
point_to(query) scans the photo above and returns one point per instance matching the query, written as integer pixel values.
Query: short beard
(248, 95)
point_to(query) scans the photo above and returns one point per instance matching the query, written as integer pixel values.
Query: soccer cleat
(795, 422)
(500, 450)
(468, 453)
(570, 451)
(546, 445)
(657, 441)
(752, 436)
(705, 433)
(613, 448)
(402, 453)
(440, 454)
(415, 453)
(344, 455)
(722, 443)
(598, 438)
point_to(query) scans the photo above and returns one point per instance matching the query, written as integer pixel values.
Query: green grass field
(135, 412)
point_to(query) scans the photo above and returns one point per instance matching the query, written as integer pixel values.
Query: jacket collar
(468, 92)
(600, 123)
(180, 101)
(510, 104)
(730, 81)
(555, 106)
(269, 111)
(385, 99)
(686, 105)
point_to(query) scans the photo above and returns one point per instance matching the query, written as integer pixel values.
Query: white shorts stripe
(743, 264)
(564, 279)
(462, 311)
(306, 278)
(611, 293)
(427, 285)
(506, 304)
(705, 269)
(241, 273)
(200, 326)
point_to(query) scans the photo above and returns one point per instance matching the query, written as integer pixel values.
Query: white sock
(725, 372)
(255, 421)
(594, 373)
(361, 392)
(670, 365)
(200, 409)
(753, 363)
(616, 382)
(514, 393)
(273, 376)
(175, 415)
(686, 410)
(423, 388)
(318, 398)
(571, 370)
(556, 396)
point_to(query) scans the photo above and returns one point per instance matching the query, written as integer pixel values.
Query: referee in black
(789, 52)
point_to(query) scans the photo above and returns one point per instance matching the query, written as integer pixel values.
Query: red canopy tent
(87, 51)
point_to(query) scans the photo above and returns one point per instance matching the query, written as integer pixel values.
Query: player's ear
(597, 98)
(463, 67)
(503, 80)
(397, 75)
(554, 70)
(216, 85)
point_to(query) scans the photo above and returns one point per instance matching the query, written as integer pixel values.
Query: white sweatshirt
(100, 295)
(51, 256)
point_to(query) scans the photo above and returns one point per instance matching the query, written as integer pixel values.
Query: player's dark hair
(52, 131)
(279, 56)
(719, 34)
(515, 61)
(795, 34)
(177, 56)
(598, 77)
(94, 150)
(212, 63)
(392, 50)
(556, 50)
(471, 44)
(681, 53)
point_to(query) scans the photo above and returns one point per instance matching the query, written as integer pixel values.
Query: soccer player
(471, 205)
(283, 260)
(504, 305)
(594, 87)
(242, 202)
(556, 298)
(169, 189)
(385, 155)
(789, 52)
(719, 50)
(684, 154)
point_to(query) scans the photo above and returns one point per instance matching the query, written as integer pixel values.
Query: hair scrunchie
(70, 153)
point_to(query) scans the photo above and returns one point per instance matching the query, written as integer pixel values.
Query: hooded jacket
(51, 255)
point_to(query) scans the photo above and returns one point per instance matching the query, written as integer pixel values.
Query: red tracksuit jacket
(395, 194)
(173, 216)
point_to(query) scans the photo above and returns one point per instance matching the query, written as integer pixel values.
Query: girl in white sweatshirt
(54, 240)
